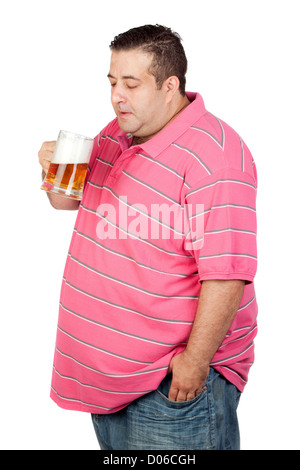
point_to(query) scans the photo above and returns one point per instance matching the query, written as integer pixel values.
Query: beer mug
(69, 163)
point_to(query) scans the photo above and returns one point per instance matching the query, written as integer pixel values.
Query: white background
(244, 60)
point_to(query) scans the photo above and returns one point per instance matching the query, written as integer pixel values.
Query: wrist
(197, 358)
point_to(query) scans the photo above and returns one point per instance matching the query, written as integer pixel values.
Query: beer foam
(72, 148)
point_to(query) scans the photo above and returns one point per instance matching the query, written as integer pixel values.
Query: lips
(124, 114)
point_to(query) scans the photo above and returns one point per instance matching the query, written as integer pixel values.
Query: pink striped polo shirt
(155, 220)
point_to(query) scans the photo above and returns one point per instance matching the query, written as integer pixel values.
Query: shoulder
(212, 146)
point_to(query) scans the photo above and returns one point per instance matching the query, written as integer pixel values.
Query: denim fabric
(153, 422)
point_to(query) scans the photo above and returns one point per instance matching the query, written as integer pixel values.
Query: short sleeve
(221, 214)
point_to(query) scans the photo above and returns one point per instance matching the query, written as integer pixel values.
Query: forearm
(217, 307)
(63, 203)
(218, 304)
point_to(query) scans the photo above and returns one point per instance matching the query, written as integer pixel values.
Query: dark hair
(168, 53)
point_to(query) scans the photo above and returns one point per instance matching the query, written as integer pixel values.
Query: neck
(175, 112)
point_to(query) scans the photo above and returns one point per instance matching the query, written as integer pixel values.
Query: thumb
(171, 365)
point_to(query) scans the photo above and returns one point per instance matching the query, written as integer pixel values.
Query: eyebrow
(125, 77)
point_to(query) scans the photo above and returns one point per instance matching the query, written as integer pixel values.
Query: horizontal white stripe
(127, 309)
(220, 255)
(236, 206)
(234, 356)
(73, 379)
(121, 255)
(229, 229)
(104, 351)
(131, 286)
(241, 337)
(222, 181)
(107, 374)
(76, 400)
(234, 373)
(115, 330)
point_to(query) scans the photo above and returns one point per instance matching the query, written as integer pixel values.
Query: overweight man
(157, 315)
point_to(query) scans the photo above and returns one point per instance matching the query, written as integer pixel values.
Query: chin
(127, 129)
(123, 126)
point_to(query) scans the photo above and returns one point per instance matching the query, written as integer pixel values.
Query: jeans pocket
(160, 423)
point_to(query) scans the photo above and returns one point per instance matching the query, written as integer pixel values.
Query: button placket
(119, 164)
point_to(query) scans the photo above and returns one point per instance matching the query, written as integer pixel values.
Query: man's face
(140, 107)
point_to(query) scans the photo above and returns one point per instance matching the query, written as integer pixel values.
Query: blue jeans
(153, 422)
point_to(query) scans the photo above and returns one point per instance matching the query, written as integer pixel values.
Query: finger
(45, 164)
(173, 393)
(200, 390)
(49, 145)
(181, 396)
(46, 150)
(190, 395)
(45, 155)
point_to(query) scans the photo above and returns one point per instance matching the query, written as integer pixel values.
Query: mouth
(124, 114)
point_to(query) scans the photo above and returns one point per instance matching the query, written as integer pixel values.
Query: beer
(66, 179)
(69, 163)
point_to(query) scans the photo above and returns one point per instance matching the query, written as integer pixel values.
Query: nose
(117, 95)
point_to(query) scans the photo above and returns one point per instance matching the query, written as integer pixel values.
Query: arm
(218, 303)
(58, 202)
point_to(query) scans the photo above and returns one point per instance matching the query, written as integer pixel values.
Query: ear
(171, 85)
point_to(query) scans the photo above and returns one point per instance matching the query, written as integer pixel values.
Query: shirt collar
(172, 131)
